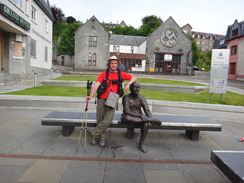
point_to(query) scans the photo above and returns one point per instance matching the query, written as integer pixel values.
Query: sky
(209, 16)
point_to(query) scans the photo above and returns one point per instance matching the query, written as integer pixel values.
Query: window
(117, 49)
(94, 59)
(46, 25)
(33, 13)
(92, 41)
(46, 53)
(233, 50)
(114, 48)
(222, 42)
(33, 48)
(27, 6)
(89, 59)
(95, 41)
(18, 49)
(18, 3)
(132, 49)
(234, 33)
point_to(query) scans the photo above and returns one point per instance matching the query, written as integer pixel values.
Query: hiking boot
(92, 139)
(142, 147)
(102, 142)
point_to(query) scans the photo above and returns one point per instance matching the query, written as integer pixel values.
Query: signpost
(219, 72)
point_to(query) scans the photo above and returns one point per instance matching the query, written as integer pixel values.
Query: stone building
(91, 46)
(25, 39)
(166, 50)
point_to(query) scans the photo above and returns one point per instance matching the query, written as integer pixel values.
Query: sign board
(6, 11)
(168, 57)
(219, 71)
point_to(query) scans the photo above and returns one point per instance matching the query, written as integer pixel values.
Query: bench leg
(130, 133)
(193, 134)
(67, 130)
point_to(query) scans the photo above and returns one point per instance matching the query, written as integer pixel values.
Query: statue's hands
(155, 122)
(144, 117)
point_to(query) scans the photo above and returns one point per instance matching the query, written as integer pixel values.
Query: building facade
(204, 41)
(166, 50)
(25, 39)
(234, 40)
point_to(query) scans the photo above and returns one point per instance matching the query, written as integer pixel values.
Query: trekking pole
(84, 122)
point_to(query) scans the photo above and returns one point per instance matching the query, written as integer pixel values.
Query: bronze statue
(133, 104)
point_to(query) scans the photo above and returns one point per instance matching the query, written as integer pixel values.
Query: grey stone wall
(183, 45)
(94, 28)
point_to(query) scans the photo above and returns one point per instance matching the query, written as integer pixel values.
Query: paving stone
(165, 176)
(74, 175)
(201, 174)
(11, 173)
(43, 171)
(124, 172)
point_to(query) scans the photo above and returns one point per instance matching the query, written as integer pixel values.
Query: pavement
(30, 152)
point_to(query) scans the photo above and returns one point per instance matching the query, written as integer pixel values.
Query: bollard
(51, 73)
(35, 78)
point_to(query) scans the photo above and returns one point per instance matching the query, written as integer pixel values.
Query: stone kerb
(214, 111)
(144, 86)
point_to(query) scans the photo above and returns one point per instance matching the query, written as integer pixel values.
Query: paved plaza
(30, 152)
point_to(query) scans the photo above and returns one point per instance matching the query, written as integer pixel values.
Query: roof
(207, 35)
(220, 42)
(126, 40)
(45, 6)
(234, 26)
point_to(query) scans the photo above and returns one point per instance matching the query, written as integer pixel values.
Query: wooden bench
(191, 124)
(230, 163)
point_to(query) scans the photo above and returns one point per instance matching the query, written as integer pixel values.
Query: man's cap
(113, 58)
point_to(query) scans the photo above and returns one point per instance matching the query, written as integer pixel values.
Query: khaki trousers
(105, 117)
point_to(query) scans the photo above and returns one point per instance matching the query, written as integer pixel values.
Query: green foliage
(204, 97)
(150, 23)
(58, 27)
(127, 30)
(205, 60)
(140, 80)
(70, 20)
(195, 51)
(66, 45)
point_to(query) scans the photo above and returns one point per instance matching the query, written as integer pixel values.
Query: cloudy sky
(210, 16)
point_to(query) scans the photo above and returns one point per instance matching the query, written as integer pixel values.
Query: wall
(81, 46)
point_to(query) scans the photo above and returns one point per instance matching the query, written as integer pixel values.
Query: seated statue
(133, 103)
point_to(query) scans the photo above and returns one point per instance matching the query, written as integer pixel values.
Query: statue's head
(135, 88)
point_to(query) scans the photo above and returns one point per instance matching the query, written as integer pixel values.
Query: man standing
(133, 104)
(105, 114)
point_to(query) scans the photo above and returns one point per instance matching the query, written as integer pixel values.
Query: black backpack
(103, 86)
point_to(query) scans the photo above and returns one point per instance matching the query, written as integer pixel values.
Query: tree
(149, 24)
(58, 27)
(127, 30)
(57, 13)
(195, 51)
(70, 20)
(66, 45)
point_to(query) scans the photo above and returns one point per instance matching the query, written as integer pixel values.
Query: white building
(25, 39)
